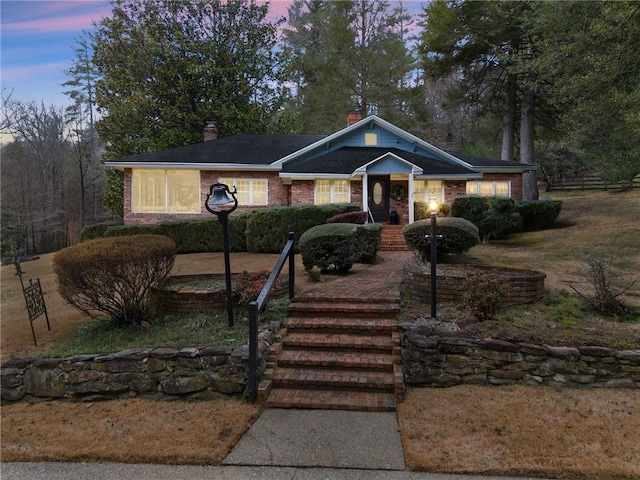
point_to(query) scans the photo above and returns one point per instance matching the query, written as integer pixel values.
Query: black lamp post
(221, 206)
(433, 206)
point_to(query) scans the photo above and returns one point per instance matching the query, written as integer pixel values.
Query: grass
(174, 331)
(524, 431)
(534, 431)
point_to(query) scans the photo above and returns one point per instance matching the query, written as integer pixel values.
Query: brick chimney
(353, 116)
(210, 131)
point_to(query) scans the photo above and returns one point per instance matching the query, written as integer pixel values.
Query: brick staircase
(336, 354)
(392, 238)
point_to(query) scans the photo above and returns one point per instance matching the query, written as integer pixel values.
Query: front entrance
(378, 188)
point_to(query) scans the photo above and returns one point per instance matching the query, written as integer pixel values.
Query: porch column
(410, 197)
(365, 194)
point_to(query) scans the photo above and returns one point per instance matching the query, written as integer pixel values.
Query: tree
(488, 46)
(590, 51)
(347, 56)
(167, 67)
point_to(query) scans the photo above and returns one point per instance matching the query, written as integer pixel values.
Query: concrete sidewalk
(281, 445)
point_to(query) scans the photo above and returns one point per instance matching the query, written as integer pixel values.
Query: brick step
(370, 343)
(339, 324)
(337, 359)
(344, 309)
(333, 378)
(311, 297)
(331, 399)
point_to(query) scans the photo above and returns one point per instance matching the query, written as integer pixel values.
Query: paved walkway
(288, 444)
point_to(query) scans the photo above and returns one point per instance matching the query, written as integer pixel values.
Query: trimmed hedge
(97, 230)
(350, 217)
(267, 229)
(538, 214)
(367, 242)
(470, 208)
(330, 247)
(457, 236)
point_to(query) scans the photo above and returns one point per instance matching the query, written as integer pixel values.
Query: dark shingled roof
(487, 162)
(241, 149)
(346, 160)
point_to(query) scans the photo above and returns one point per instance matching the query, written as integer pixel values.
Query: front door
(378, 187)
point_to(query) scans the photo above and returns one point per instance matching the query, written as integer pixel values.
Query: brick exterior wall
(300, 192)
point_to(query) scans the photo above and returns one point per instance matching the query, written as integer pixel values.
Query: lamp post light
(433, 206)
(219, 203)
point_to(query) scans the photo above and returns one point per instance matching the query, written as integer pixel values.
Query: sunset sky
(38, 37)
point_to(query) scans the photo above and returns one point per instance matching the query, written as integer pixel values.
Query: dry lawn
(542, 431)
(125, 431)
(545, 432)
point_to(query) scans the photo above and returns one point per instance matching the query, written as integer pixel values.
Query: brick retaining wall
(441, 361)
(525, 286)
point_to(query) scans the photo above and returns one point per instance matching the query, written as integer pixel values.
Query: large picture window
(251, 191)
(487, 188)
(165, 191)
(331, 191)
(425, 190)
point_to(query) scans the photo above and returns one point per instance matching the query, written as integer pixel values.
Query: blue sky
(38, 36)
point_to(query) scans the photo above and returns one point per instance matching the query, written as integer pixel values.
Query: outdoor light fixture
(433, 206)
(220, 204)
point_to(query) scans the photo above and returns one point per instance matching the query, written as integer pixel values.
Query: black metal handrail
(257, 306)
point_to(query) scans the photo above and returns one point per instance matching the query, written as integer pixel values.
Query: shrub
(205, 234)
(604, 298)
(457, 236)
(538, 214)
(247, 288)
(97, 230)
(113, 276)
(422, 210)
(367, 242)
(330, 247)
(500, 219)
(484, 294)
(267, 229)
(349, 217)
(470, 208)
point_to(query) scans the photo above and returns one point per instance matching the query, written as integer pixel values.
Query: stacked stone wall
(159, 373)
(441, 361)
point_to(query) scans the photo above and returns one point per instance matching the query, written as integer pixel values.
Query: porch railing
(256, 307)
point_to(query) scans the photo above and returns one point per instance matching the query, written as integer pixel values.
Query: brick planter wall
(525, 286)
(170, 297)
(158, 373)
(441, 361)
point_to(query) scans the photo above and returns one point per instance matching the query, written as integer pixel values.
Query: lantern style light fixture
(433, 206)
(220, 204)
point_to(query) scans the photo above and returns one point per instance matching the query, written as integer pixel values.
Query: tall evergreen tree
(345, 56)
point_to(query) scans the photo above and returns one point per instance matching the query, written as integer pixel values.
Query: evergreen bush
(112, 276)
(470, 208)
(457, 235)
(538, 214)
(331, 247)
(349, 217)
(267, 229)
(367, 242)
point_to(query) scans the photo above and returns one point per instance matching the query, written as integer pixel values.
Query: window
(165, 191)
(425, 190)
(371, 139)
(331, 191)
(251, 191)
(486, 188)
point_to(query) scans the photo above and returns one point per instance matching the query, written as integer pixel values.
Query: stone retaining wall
(156, 373)
(525, 286)
(441, 361)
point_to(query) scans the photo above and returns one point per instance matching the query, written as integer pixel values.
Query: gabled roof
(251, 151)
(307, 156)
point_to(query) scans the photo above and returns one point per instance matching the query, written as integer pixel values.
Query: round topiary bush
(331, 247)
(457, 235)
(113, 276)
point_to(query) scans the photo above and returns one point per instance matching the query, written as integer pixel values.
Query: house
(370, 162)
